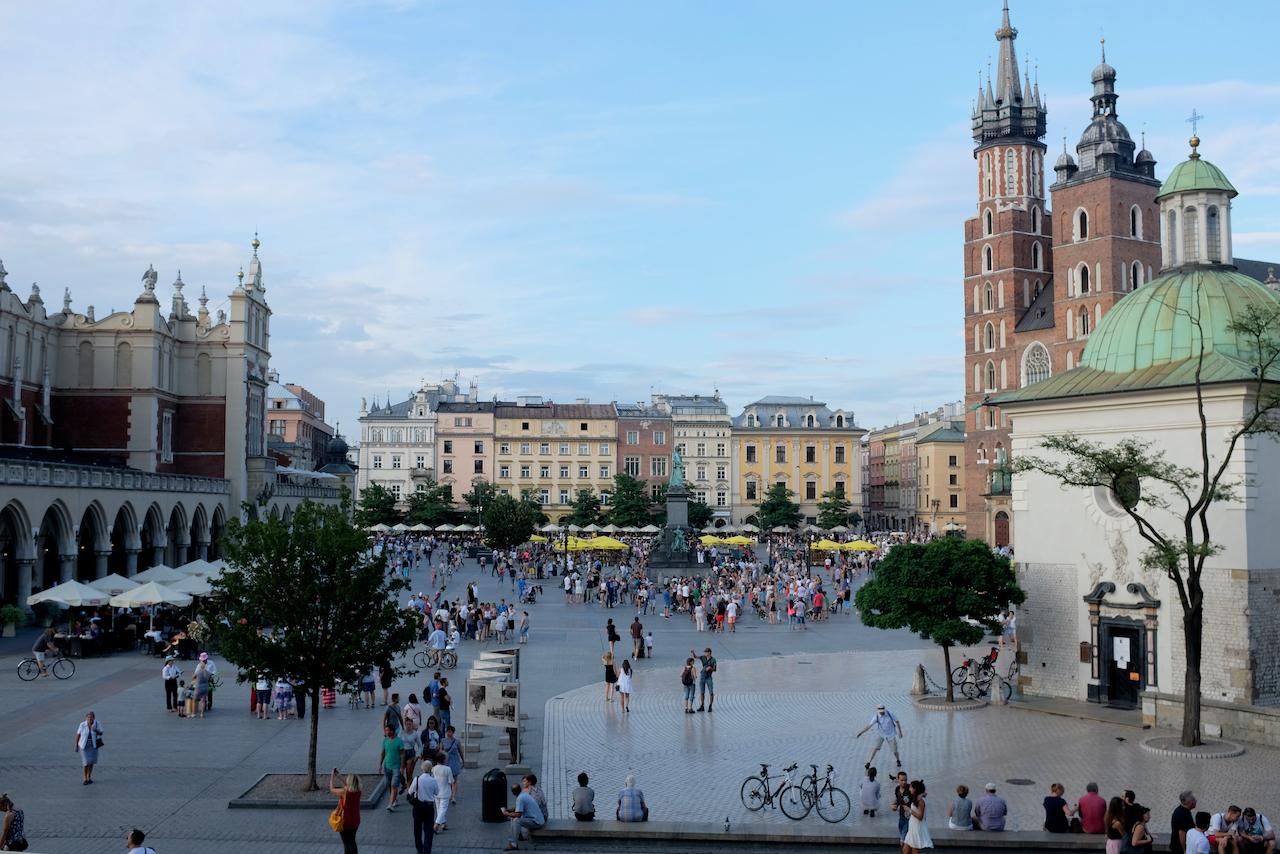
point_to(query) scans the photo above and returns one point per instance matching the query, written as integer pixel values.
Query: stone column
(202, 551)
(100, 569)
(131, 562)
(66, 567)
(25, 568)
(157, 555)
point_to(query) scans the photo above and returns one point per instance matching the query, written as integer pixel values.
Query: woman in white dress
(624, 686)
(917, 836)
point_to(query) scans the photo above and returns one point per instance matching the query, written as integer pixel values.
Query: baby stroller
(530, 596)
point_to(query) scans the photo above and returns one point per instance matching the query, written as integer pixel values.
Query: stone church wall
(1048, 630)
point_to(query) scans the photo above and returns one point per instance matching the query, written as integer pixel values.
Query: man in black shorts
(44, 644)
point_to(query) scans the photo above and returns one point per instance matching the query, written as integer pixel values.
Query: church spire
(1013, 109)
(1008, 87)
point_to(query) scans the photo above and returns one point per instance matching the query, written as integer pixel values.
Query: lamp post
(933, 527)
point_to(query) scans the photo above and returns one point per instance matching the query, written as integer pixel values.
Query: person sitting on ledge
(631, 805)
(584, 800)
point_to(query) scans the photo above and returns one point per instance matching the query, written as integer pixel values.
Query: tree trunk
(1193, 637)
(946, 673)
(313, 688)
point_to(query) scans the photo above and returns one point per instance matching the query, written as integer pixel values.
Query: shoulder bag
(336, 818)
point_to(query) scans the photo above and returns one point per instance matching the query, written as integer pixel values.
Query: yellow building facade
(940, 507)
(553, 450)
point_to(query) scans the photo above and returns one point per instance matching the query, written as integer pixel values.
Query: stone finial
(35, 293)
(178, 284)
(222, 317)
(4, 286)
(66, 300)
(88, 313)
(204, 297)
(149, 279)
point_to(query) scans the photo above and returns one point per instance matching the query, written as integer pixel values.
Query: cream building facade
(554, 450)
(939, 452)
(703, 434)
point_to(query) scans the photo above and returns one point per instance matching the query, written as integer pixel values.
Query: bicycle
(62, 668)
(985, 668)
(757, 793)
(425, 658)
(978, 684)
(832, 802)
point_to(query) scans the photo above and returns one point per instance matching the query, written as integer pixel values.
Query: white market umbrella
(151, 593)
(610, 528)
(592, 528)
(649, 529)
(113, 584)
(73, 594)
(199, 567)
(445, 527)
(575, 529)
(781, 529)
(381, 527)
(465, 527)
(748, 528)
(399, 527)
(161, 573)
(630, 529)
(195, 585)
(550, 528)
(840, 529)
(421, 526)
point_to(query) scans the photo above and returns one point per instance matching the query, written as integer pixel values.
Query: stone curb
(1211, 749)
(939, 704)
(239, 802)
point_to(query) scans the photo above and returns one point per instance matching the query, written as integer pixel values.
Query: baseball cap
(991, 787)
(880, 708)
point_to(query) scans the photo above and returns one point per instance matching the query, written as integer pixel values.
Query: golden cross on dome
(1194, 120)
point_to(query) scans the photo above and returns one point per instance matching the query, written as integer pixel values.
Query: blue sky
(580, 199)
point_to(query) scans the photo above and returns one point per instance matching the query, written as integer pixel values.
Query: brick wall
(1224, 660)
(199, 438)
(1264, 635)
(1048, 629)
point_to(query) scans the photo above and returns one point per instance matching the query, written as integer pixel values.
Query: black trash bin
(493, 795)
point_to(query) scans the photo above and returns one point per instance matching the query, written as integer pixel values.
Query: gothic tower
(1006, 259)
(1106, 241)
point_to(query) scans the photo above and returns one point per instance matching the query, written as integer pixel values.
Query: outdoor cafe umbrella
(465, 527)
(200, 567)
(781, 529)
(827, 546)
(151, 593)
(73, 594)
(748, 528)
(610, 528)
(381, 527)
(550, 528)
(421, 526)
(195, 585)
(113, 584)
(593, 527)
(710, 540)
(445, 527)
(860, 546)
(649, 529)
(161, 573)
(537, 538)
(399, 527)
(574, 529)
(840, 529)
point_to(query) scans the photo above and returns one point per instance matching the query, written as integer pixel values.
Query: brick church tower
(1006, 259)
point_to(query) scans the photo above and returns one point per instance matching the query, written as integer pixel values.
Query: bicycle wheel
(28, 669)
(1006, 689)
(420, 659)
(833, 805)
(796, 801)
(448, 659)
(755, 793)
(957, 675)
(64, 668)
(970, 690)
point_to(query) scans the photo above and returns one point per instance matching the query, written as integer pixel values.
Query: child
(182, 698)
(648, 645)
(870, 790)
(262, 689)
(189, 696)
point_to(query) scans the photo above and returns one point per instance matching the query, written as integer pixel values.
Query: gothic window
(1039, 287)
(990, 336)
(1082, 225)
(1036, 260)
(1010, 172)
(988, 259)
(1084, 323)
(989, 298)
(986, 175)
(1135, 221)
(1171, 236)
(1084, 278)
(1135, 275)
(989, 223)
(1213, 232)
(779, 420)
(1191, 234)
(991, 376)
(1035, 364)
(1035, 220)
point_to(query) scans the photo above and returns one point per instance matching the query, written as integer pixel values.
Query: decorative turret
(1105, 145)
(1195, 210)
(1013, 111)
(202, 316)
(1066, 165)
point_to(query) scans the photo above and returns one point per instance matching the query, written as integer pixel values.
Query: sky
(580, 199)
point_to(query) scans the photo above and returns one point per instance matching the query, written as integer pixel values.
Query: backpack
(686, 676)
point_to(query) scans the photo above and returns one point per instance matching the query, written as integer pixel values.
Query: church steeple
(1014, 109)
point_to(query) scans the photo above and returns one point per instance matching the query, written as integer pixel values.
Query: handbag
(336, 818)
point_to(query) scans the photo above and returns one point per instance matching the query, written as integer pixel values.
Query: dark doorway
(1123, 653)
(1002, 529)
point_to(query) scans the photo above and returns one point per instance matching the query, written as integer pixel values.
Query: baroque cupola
(1195, 213)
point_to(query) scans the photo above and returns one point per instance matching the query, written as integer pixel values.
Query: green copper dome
(1153, 325)
(1193, 174)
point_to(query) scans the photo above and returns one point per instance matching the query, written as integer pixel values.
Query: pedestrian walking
(445, 703)
(524, 627)
(611, 632)
(201, 679)
(917, 837)
(888, 728)
(451, 747)
(347, 811)
(624, 686)
(389, 761)
(444, 791)
(88, 741)
(637, 637)
(706, 679)
(134, 839)
(610, 675)
(422, 794)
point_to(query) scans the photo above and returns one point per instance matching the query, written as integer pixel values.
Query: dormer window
(810, 421)
(839, 420)
(779, 420)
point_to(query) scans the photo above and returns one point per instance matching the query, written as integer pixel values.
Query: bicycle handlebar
(793, 767)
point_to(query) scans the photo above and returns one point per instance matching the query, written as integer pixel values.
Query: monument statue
(677, 470)
(149, 279)
(679, 545)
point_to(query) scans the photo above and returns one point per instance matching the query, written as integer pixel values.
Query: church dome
(1153, 325)
(1145, 156)
(1195, 173)
(337, 448)
(1065, 161)
(1105, 128)
(1102, 71)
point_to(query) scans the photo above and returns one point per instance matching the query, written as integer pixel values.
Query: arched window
(810, 421)
(1082, 225)
(1213, 234)
(1035, 364)
(779, 420)
(989, 223)
(991, 376)
(1171, 239)
(1135, 275)
(204, 374)
(989, 336)
(1037, 261)
(1084, 323)
(1035, 220)
(988, 298)
(1084, 278)
(85, 367)
(1191, 235)
(986, 175)
(1010, 172)
(1039, 287)
(839, 420)
(1135, 221)
(124, 365)
(988, 259)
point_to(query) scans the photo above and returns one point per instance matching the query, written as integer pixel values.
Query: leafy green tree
(535, 508)
(777, 508)
(431, 505)
(377, 506)
(631, 504)
(1172, 515)
(508, 522)
(699, 514)
(833, 510)
(307, 600)
(935, 589)
(482, 492)
(586, 509)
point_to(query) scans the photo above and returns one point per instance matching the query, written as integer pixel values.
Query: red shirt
(351, 810)
(1093, 808)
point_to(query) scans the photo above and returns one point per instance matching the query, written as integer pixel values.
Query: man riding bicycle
(44, 644)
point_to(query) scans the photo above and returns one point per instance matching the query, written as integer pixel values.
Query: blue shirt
(631, 805)
(991, 811)
(528, 807)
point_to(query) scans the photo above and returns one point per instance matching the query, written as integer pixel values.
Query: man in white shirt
(134, 839)
(437, 639)
(888, 728)
(422, 793)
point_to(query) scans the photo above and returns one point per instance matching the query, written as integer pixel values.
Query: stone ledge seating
(796, 834)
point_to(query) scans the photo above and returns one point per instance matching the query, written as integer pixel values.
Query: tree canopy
(631, 504)
(586, 509)
(699, 513)
(949, 591)
(482, 492)
(307, 600)
(431, 505)
(833, 510)
(377, 507)
(777, 508)
(508, 522)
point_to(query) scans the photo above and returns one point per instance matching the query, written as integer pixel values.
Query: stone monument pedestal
(674, 554)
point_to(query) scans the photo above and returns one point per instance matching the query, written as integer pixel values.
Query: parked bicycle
(976, 681)
(63, 668)
(425, 658)
(758, 792)
(985, 667)
(832, 801)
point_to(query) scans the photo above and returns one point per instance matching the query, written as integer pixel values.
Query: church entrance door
(1124, 654)
(1002, 529)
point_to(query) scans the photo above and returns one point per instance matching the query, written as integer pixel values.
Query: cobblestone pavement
(173, 777)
